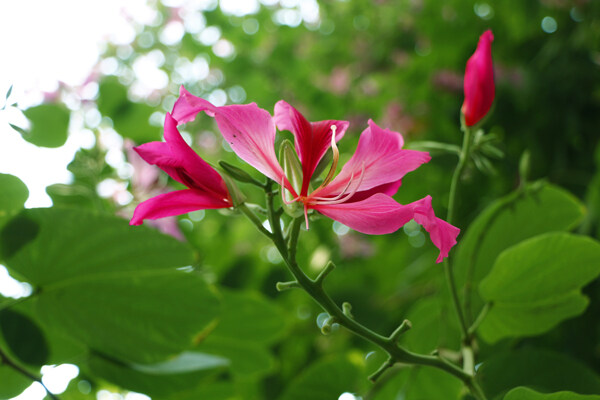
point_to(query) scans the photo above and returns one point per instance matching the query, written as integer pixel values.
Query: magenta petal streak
(175, 203)
(380, 214)
(206, 187)
(249, 130)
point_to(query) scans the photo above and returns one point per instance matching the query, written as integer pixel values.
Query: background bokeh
(398, 62)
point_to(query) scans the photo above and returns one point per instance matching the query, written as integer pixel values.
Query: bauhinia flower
(479, 81)
(206, 188)
(359, 196)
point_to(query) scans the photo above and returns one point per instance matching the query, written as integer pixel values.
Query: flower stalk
(287, 247)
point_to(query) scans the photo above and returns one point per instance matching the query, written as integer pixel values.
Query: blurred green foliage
(398, 62)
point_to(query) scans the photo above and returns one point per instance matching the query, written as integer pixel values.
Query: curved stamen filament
(349, 195)
(343, 192)
(336, 158)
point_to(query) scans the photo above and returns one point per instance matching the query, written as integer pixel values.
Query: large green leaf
(13, 196)
(49, 125)
(249, 316)
(325, 380)
(245, 357)
(516, 217)
(130, 119)
(536, 284)
(159, 385)
(524, 393)
(544, 370)
(432, 384)
(249, 323)
(433, 326)
(73, 244)
(23, 337)
(12, 383)
(143, 318)
(112, 287)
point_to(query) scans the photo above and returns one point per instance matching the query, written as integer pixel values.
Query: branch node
(324, 272)
(404, 326)
(384, 367)
(327, 325)
(283, 286)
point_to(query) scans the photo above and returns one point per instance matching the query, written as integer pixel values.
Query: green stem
(4, 359)
(342, 316)
(458, 172)
(315, 289)
(244, 209)
(467, 338)
(479, 318)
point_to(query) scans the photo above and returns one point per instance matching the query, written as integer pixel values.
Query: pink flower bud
(479, 81)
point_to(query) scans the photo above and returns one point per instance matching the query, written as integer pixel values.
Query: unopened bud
(237, 197)
(293, 170)
(238, 174)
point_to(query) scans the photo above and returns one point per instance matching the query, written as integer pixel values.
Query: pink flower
(479, 81)
(360, 195)
(206, 188)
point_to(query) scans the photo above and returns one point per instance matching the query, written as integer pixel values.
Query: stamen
(349, 195)
(306, 215)
(336, 158)
(339, 195)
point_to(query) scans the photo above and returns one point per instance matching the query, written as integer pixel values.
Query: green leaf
(130, 119)
(12, 198)
(245, 357)
(536, 284)
(432, 384)
(325, 380)
(23, 337)
(74, 243)
(143, 318)
(12, 383)
(542, 369)
(185, 362)
(524, 393)
(22, 131)
(508, 221)
(248, 316)
(425, 316)
(17, 233)
(49, 125)
(158, 385)
(113, 287)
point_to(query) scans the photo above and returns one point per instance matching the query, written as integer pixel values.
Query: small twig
(324, 272)
(404, 326)
(283, 286)
(384, 367)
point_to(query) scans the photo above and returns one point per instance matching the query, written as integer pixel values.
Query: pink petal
(479, 85)
(248, 129)
(380, 214)
(182, 163)
(377, 215)
(144, 175)
(312, 139)
(384, 161)
(176, 203)
(442, 234)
